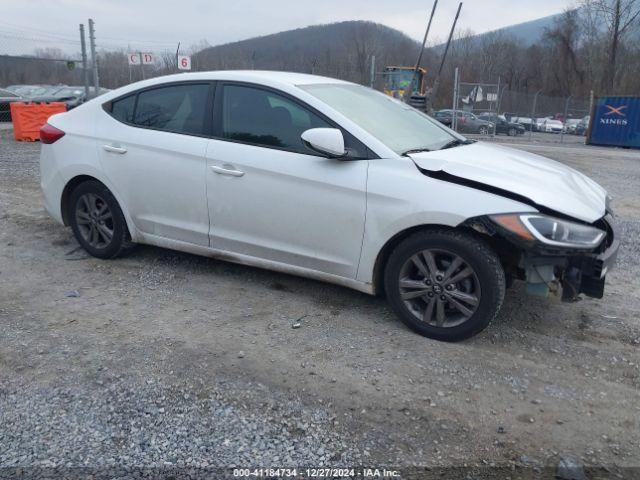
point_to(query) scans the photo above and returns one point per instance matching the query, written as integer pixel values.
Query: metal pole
(566, 111)
(94, 57)
(498, 102)
(533, 113)
(419, 60)
(141, 65)
(456, 86)
(177, 54)
(436, 83)
(372, 73)
(85, 66)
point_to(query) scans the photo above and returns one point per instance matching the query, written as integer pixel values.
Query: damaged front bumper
(586, 273)
(553, 270)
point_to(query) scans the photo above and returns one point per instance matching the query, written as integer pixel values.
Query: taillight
(50, 134)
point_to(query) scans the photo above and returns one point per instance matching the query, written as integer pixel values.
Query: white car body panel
(304, 210)
(420, 201)
(302, 214)
(545, 182)
(161, 178)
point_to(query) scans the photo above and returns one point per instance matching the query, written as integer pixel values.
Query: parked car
(526, 122)
(70, 96)
(445, 117)
(502, 125)
(552, 126)
(330, 180)
(6, 99)
(581, 128)
(466, 122)
(30, 91)
(539, 123)
(571, 125)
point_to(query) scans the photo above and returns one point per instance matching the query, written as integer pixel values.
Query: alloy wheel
(95, 220)
(439, 288)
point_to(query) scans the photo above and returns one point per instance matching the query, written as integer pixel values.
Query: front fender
(400, 198)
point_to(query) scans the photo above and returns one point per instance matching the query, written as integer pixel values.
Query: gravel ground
(164, 359)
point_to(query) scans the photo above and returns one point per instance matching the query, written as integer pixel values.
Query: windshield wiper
(415, 150)
(455, 143)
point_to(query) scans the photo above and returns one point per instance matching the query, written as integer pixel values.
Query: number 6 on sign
(184, 62)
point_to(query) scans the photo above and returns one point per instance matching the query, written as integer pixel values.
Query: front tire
(98, 222)
(512, 132)
(444, 284)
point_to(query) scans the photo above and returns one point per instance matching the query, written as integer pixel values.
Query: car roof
(266, 76)
(263, 77)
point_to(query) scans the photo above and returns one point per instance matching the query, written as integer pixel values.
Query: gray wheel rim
(483, 131)
(94, 220)
(439, 288)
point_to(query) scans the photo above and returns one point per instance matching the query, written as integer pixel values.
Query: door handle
(227, 171)
(112, 149)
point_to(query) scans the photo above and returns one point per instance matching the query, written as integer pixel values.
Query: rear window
(122, 109)
(174, 108)
(177, 108)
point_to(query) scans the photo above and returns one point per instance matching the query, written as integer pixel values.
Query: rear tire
(97, 221)
(465, 291)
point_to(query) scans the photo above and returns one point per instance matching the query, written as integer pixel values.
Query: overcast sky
(159, 24)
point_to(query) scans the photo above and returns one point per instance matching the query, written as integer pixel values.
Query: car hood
(542, 181)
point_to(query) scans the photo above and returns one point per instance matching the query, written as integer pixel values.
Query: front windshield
(400, 127)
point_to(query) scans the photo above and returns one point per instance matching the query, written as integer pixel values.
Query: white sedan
(330, 180)
(552, 126)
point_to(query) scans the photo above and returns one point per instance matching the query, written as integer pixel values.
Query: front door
(271, 197)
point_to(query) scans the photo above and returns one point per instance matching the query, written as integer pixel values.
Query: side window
(262, 117)
(122, 109)
(176, 108)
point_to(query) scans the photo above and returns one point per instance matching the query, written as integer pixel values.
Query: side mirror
(327, 141)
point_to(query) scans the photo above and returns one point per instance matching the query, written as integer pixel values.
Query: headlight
(550, 230)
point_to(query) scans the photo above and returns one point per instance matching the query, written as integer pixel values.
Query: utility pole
(141, 66)
(456, 85)
(436, 83)
(414, 79)
(94, 57)
(372, 72)
(85, 67)
(177, 54)
(564, 118)
(533, 112)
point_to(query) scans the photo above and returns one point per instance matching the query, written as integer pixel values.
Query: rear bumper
(51, 183)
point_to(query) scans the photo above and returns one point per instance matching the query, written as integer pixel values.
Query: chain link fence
(490, 109)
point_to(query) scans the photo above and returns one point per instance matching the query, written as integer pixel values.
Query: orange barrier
(28, 118)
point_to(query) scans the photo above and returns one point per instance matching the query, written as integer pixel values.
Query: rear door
(271, 197)
(152, 146)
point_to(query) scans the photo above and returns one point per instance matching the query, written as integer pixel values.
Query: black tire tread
(478, 248)
(124, 245)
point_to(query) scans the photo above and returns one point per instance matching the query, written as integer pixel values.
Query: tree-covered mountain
(342, 50)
